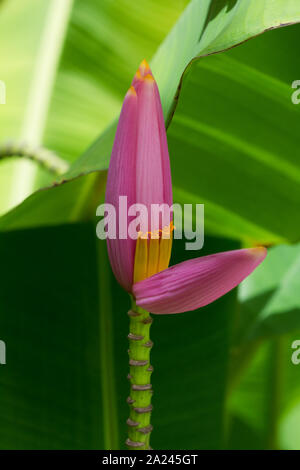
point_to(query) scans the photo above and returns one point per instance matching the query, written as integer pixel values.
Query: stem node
(139, 426)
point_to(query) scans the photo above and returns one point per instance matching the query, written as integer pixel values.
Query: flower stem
(139, 400)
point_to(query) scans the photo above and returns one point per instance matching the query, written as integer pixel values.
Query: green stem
(44, 157)
(139, 400)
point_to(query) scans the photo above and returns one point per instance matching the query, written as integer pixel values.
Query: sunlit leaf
(205, 27)
(270, 301)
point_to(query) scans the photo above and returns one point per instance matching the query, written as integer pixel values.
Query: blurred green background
(223, 374)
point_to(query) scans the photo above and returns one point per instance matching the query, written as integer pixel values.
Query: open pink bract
(197, 282)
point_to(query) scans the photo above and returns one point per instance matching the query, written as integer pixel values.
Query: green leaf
(242, 436)
(268, 306)
(51, 390)
(289, 432)
(211, 27)
(266, 398)
(264, 383)
(30, 67)
(104, 45)
(254, 401)
(86, 87)
(270, 303)
(237, 128)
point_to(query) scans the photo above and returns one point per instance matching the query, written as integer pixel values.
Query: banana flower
(140, 170)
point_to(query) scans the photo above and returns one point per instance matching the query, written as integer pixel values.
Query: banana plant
(224, 377)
